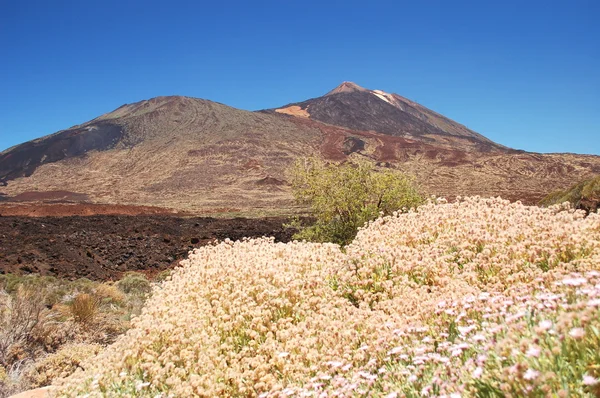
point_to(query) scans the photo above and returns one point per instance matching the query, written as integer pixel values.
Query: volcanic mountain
(200, 156)
(361, 109)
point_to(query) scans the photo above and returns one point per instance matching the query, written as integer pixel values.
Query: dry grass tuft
(84, 308)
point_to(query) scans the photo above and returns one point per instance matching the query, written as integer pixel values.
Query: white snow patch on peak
(389, 98)
(383, 95)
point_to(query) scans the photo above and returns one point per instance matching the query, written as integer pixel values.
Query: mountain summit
(347, 87)
(352, 106)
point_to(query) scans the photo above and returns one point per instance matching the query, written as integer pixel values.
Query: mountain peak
(346, 87)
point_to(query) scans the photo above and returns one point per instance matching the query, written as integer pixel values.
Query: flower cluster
(476, 297)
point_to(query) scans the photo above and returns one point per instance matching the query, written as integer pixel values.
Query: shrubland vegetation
(585, 195)
(480, 297)
(343, 197)
(48, 326)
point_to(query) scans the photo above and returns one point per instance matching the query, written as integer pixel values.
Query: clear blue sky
(524, 73)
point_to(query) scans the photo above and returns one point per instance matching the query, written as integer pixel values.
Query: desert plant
(19, 315)
(134, 283)
(343, 197)
(61, 363)
(110, 293)
(583, 195)
(84, 308)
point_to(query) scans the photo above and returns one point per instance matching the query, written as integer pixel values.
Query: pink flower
(477, 372)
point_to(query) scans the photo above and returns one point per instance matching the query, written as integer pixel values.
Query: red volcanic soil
(103, 247)
(49, 196)
(77, 209)
(65, 203)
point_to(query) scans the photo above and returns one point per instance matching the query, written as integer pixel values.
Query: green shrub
(134, 283)
(583, 195)
(343, 197)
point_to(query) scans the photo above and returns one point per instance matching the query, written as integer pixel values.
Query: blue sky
(523, 73)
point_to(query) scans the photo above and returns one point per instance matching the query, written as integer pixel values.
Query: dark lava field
(103, 247)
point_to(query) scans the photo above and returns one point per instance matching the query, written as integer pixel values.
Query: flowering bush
(481, 297)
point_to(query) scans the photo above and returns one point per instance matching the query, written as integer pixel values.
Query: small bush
(163, 275)
(84, 308)
(134, 283)
(19, 316)
(110, 293)
(343, 197)
(583, 195)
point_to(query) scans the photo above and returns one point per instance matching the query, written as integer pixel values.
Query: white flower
(574, 281)
(367, 375)
(283, 354)
(477, 372)
(594, 303)
(545, 324)
(577, 333)
(478, 338)
(141, 385)
(592, 274)
(533, 351)
(589, 380)
(464, 330)
(531, 374)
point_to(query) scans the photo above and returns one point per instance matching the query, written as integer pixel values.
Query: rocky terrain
(103, 247)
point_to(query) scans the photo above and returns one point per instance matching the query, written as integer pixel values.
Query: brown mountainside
(200, 156)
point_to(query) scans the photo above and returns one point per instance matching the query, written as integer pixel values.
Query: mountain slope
(200, 156)
(358, 108)
(171, 151)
